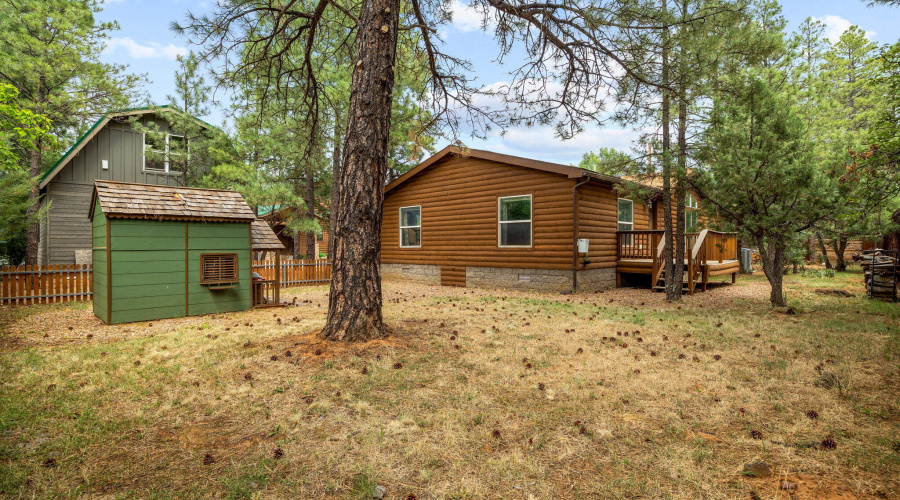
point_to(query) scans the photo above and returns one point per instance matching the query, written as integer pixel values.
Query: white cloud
(835, 26)
(139, 51)
(540, 143)
(467, 18)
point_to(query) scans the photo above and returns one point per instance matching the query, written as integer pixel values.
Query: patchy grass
(476, 394)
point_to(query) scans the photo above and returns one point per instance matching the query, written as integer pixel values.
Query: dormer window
(165, 154)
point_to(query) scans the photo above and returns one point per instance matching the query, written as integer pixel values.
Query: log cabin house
(467, 217)
(294, 243)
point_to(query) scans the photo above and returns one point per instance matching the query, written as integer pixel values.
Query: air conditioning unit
(746, 260)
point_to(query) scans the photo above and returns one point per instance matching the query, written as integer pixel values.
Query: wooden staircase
(699, 261)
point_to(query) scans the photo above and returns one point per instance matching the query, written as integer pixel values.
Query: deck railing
(720, 246)
(636, 244)
(700, 249)
(713, 245)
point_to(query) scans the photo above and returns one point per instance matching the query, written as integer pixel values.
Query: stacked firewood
(882, 273)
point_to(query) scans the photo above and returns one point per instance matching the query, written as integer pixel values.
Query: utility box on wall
(583, 245)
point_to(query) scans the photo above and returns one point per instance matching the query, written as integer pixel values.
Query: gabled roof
(263, 236)
(96, 127)
(555, 168)
(146, 201)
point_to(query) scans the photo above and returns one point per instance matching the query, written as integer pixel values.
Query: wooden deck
(707, 254)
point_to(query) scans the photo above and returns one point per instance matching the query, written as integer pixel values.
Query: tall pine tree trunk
(309, 198)
(33, 230)
(824, 251)
(673, 282)
(681, 250)
(772, 255)
(354, 300)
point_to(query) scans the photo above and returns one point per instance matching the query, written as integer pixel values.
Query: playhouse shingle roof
(144, 201)
(263, 236)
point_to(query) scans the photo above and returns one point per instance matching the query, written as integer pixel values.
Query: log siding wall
(598, 221)
(459, 196)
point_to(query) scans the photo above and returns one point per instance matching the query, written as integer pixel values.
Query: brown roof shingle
(122, 199)
(556, 168)
(263, 237)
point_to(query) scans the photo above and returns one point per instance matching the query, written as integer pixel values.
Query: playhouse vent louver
(218, 268)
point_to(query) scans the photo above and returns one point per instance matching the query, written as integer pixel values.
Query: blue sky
(147, 45)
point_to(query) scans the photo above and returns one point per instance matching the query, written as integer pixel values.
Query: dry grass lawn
(476, 394)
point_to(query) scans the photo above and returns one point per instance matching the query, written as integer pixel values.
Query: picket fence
(295, 272)
(22, 285)
(25, 285)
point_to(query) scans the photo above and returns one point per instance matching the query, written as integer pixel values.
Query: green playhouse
(166, 252)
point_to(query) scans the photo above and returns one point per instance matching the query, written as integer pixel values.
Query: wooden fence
(24, 285)
(295, 272)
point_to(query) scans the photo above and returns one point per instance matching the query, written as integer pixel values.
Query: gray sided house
(112, 150)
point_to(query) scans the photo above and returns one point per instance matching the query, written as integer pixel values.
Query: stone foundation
(531, 280)
(542, 280)
(595, 280)
(416, 273)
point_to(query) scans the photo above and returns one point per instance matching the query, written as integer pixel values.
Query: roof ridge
(76, 146)
(519, 161)
(168, 187)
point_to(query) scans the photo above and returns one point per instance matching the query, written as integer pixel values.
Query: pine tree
(50, 52)
(758, 168)
(850, 101)
(19, 128)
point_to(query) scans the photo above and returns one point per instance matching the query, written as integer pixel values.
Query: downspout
(575, 233)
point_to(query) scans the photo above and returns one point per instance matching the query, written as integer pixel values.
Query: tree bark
(824, 251)
(335, 170)
(309, 199)
(672, 285)
(839, 245)
(681, 250)
(354, 300)
(773, 266)
(32, 233)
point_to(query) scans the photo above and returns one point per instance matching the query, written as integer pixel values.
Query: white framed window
(514, 221)
(690, 201)
(626, 220)
(167, 155)
(691, 223)
(411, 227)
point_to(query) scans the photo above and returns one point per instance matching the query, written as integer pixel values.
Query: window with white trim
(514, 221)
(691, 222)
(167, 154)
(411, 227)
(690, 201)
(626, 220)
